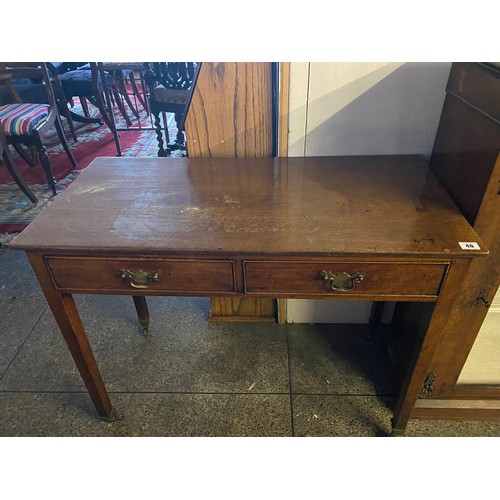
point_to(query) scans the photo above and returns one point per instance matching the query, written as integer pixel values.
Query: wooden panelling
(231, 111)
(283, 108)
(242, 309)
(231, 116)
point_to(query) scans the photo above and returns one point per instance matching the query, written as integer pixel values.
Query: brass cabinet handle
(342, 281)
(140, 279)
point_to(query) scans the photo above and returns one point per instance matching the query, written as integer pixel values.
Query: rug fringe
(6, 239)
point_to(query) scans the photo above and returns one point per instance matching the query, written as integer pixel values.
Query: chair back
(171, 85)
(171, 75)
(35, 72)
(26, 122)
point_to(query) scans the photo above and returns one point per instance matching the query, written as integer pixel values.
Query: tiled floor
(189, 377)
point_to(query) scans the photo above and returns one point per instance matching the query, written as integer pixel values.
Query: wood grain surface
(372, 206)
(231, 111)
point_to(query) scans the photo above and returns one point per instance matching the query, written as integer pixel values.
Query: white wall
(483, 363)
(361, 109)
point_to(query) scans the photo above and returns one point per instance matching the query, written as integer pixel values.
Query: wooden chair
(12, 168)
(26, 123)
(34, 91)
(126, 86)
(91, 83)
(171, 86)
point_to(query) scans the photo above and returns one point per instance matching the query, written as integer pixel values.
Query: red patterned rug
(94, 140)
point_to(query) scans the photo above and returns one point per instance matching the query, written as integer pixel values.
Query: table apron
(378, 280)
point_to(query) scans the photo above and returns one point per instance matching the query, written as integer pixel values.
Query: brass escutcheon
(342, 281)
(428, 387)
(482, 299)
(140, 279)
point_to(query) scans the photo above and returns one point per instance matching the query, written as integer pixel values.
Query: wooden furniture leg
(31, 160)
(416, 371)
(122, 92)
(66, 315)
(375, 318)
(140, 94)
(64, 142)
(85, 107)
(119, 103)
(162, 152)
(141, 307)
(44, 160)
(64, 111)
(14, 172)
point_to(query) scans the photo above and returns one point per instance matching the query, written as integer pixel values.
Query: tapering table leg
(141, 307)
(66, 315)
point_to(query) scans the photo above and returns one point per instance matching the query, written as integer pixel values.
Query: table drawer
(169, 276)
(338, 278)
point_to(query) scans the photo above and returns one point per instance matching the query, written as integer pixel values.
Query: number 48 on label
(469, 245)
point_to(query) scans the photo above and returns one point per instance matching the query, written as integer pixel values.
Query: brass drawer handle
(140, 279)
(342, 281)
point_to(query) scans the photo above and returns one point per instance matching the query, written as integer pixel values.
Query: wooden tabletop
(323, 206)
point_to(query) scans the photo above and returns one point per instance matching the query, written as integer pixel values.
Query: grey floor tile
(182, 353)
(182, 415)
(43, 362)
(21, 304)
(450, 428)
(339, 359)
(341, 416)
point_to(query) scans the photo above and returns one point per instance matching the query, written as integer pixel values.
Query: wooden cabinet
(466, 160)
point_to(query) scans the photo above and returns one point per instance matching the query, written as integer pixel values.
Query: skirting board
(456, 409)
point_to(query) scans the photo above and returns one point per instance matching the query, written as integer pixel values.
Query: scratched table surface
(323, 206)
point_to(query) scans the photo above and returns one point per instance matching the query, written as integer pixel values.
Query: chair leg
(44, 160)
(30, 160)
(85, 107)
(14, 172)
(135, 90)
(120, 106)
(122, 89)
(142, 311)
(108, 117)
(159, 137)
(103, 102)
(64, 142)
(165, 126)
(64, 111)
(180, 130)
